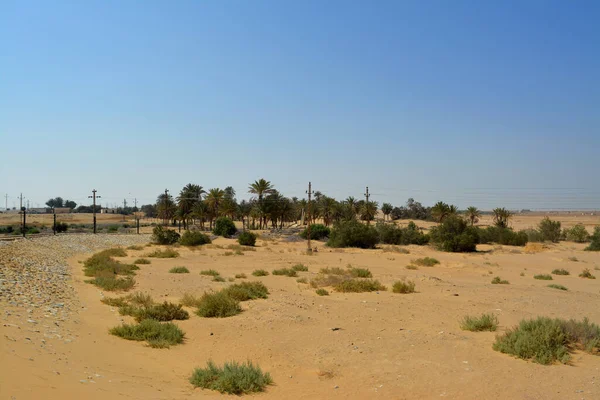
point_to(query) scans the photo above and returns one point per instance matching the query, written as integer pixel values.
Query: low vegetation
(317, 232)
(498, 281)
(391, 234)
(166, 253)
(502, 235)
(353, 234)
(135, 247)
(240, 276)
(404, 287)
(141, 261)
(285, 271)
(595, 240)
(300, 268)
(559, 287)
(260, 272)
(194, 238)
(359, 286)
(425, 262)
(577, 234)
(454, 235)
(247, 238)
(486, 322)
(157, 334)
(112, 283)
(247, 291)
(210, 272)
(179, 270)
(359, 272)
(543, 277)
(560, 271)
(217, 305)
(586, 274)
(410, 266)
(322, 292)
(224, 227)
(161, 312)
(105, 270)
(165, 236)
(218, 278)
(232, 378)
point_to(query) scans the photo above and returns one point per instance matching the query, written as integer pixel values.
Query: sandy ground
(389, 346)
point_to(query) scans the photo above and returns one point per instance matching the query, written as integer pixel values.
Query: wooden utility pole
(24, 211)
(310, 193)
(93, 196)
(166, 204)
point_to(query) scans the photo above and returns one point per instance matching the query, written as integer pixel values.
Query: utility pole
(310, 193)
(124, 205)
(24, 211)
(367, 195)
(93, 196)
(21, 201)
(165, 210)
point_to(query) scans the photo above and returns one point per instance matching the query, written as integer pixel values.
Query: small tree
(454, 235)
(577, 234)
(247, 239)
(473, 215)
(595, 245)
(162, 235)
(550, 230)
(224, 227)
(501, 217)
(386, 209)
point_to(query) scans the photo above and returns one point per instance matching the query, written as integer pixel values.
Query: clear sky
(486, 103)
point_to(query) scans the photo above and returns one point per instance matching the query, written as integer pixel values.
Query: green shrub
(162, 235)
(546, 340)
(498, 281)
(302, 280)
(487, 322)
(179, 270)
(285, 271)
(218, 305)
(113, 229)
(210, 272)
(194, 238)
(577, 234)
(317, 232)
(114, 301)
(586, 274)
(103, 264)
(359, 286)
(500, 235)
(391, 234)
(360, 272)
(300, 268)
(595, 240)
(247, 239)
(233, 378)
(112, 283)
(218, 278)
(555, 286)
(425, 262)
(189, 300)
(404, 287)
(166, 253)
(160, 312)
(454, 235)
(141, 261)
(224, 227)
(543, 277)
(550, 230)
(61, 227)
(157, 334)
(260, 272)
(560, 272)
(322, 292)
(353, 234)
(247, 291)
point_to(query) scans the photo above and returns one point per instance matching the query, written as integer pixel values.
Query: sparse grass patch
(218, 305)
(322, 280)
(247, 291)
(112, 283)
(135, 247)
(260, 272)
(141, 261)
(543, 277)
(333, 271)
(300, 268)
(586, 274)
(425, 262)
(395, 249)
(166, 253)
(160, 312)
(240, 276)
(486, 322)
(114, 252)
(218, 278)
(498, 281)
(232, 378)
(410, 266)
(102, 264)
(322, 292)
(545, 340)
(189, 300)
(560, 271)
(359, 286)
(210, 272)
(559, 287)
(404, 287)
(157, 334)
(285, 271)
(302, 280)
(179, 270)
(114, 301)
(360, 272)
(573, 258)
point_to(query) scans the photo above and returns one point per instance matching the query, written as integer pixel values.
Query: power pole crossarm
(94, 197)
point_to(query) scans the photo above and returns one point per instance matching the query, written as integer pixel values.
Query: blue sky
(474, 103)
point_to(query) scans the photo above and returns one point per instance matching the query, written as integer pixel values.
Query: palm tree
(368, 211)
(165, 207)
(260, 188)
(327, 207)
(213, 201)
(386, 209)
(441, 210)
(352, 204)
(473, 215)
(501, 217)
(188, 197)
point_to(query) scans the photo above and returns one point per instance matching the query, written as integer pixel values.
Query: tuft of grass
(302, 280)
(210, 272)
(157, 334)
(159, 312)
(327, 280)
(140, 299)
(425, 262)
(285, 271)
(498, 281)
(560, 271)
(543, 277)
(360, 273)
(333, 271)
(114, 252)
(218, 305)
(260, 272)
(404, 287)
(232, 378)
(322, 292)
(114, 301)
(300, 268)
(586, 274)
(141, 261)
(410, 266)
(545, 340)
(247, 291)
(135, 247)
(240, 276)
(179, 270)
(102, 264)
(112, 283)
(573, 258)
(559, 287)
(486, 322)
(189, 300)
(228, 253)
(218, 278)
(359, 286)
(166, 253)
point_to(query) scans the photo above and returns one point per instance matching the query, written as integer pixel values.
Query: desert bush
(247, 291)
(327, 280)
(560, 271)
(247, 239)
(543, 277)
(162, 235)
(240, 276)
(391, 234)
(546, 340)
(498, 281)
(300, 268)
(555, 286)
(586, 274)
(425, 262)
(210, 272)
(103, 264)
(333, 271)
(360, 272)
(160, 312)
(179, 270)
(218, 305)
(454, 235)
(285, 271)
(189, 300)
(157, 334)
(194, 238)
(359, 286)
(233, 378)
(141, 261)
(411, 267)
(550, 230)
(595, 240)
(218, 278)
(504, 236)
(317, 232)
(166, 253)
(260, 272)
(302, 280)
(404, 287)
(61, 227)
(140, 298)
(112, 283)
(577, 234)
(353, 234)
(322, 292)
(224, 227)
(112, 229)
(114, 301)
(486, 322)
